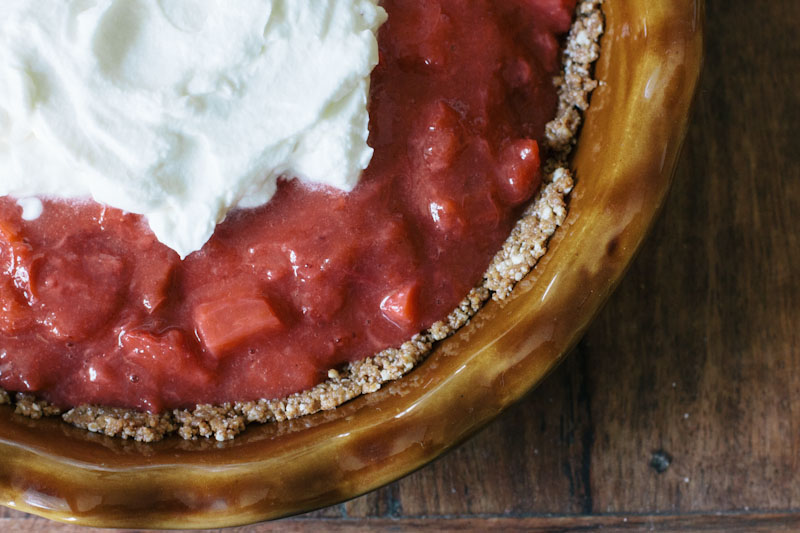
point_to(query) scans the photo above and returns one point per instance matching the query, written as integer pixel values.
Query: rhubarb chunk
(401, 307)
(520, 171)
(226, 322)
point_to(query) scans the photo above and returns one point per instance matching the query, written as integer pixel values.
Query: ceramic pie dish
(649, 68)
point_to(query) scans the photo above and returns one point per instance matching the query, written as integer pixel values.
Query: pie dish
(626, 153)
(275, 316)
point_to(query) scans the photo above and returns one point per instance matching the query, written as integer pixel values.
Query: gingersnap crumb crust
(519, 254)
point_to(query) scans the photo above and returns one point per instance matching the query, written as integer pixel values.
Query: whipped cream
(181, 110)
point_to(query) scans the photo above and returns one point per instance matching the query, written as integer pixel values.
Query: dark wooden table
(680, 409)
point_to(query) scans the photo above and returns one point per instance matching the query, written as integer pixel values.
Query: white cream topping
(181, 110)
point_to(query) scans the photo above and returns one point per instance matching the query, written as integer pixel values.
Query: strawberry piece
(78, 293)
(440, 138)
(226, 322)
(393, 251)
(414, 23)
(519, 171)
(553, 15)
(446, 216)
(537, 22)
(15, 314)
(558, 13)
(100, 373)
(28, 373)
(549, 50)
(8, 238)
(319, 267)
(153, 278)
(517, 72)
(420, 35)
(159, 362)
(321, 299)
(15, 253)
(268, 261)
(401, 307)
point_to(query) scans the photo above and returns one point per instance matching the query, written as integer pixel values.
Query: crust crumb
(122, 423)
(576, 83)
(218, 422)
(520, 253)
(28, 405)
(528, 241)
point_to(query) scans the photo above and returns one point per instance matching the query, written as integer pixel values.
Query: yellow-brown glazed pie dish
(649, 67)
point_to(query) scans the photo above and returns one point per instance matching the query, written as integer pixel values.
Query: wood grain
(716, 523)
(696, 358)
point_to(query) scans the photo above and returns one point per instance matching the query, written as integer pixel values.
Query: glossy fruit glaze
(94, 310)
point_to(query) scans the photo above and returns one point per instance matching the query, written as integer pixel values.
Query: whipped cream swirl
(181, 110)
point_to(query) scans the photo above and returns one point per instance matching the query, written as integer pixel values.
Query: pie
(318, 296)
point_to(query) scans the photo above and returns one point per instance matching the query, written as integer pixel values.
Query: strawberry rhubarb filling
(94, 309)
